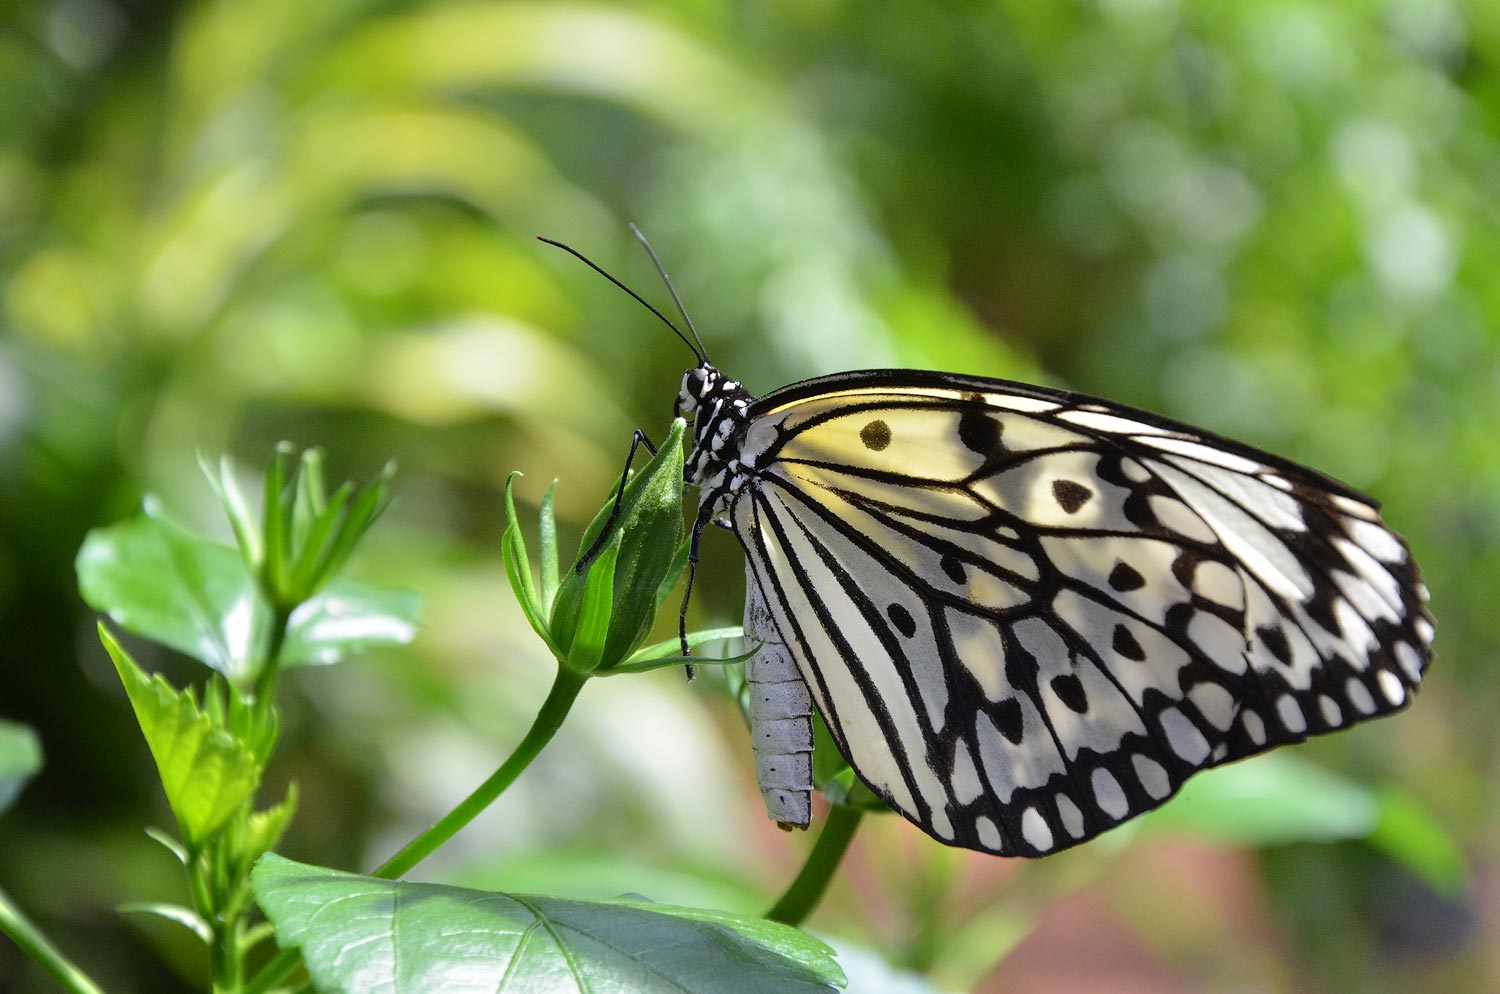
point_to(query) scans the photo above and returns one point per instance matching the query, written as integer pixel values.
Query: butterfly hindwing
(1028, 615)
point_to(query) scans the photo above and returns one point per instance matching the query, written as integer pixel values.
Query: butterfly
(1027, 615)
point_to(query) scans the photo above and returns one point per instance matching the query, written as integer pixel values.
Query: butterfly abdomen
(780, 718)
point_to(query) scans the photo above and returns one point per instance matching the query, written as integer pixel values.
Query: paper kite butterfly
(1028, 615)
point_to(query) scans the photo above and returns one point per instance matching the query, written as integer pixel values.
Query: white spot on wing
(1333, 715)
(1177, 516)
(1359, 695)
(1035, 831)
(989, 835)
(1215, 703)
(1072, 818)
(1254, 726)
(1218, 640)
(1153, 777)
(1108, 794)
(1377, 541)
(966, 785)
(1184, 736)
(1391, 686)
(1290, 713)
(1410, 660)
(1219, 583)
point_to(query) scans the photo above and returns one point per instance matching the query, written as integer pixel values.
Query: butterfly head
(718, 408)
(698, 385)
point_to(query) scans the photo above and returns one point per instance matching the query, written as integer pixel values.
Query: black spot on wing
(1125, 577)
(980, 433)
(1070, 495)
(1275, 640)
(1126, 644)
(876, 435)
(1069, 690)
(1008, 718)
(954, 569)
(902, 619)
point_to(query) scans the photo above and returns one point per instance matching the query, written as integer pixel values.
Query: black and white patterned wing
(1029, 615)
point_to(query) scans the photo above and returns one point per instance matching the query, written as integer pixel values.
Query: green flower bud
(604, 611)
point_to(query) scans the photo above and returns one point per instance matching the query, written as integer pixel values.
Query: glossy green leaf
(346, 617)
(206, 774)
(162, 582)
(20, 759)
(359, 934)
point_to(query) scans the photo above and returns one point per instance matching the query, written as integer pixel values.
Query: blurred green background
(228, 223)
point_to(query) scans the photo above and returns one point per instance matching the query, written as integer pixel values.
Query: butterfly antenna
(702, 352)
(697, 349)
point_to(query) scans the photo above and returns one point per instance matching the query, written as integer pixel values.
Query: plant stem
(807, 890)
(548, 720)
(265, 681)
(554, 709)
(36, 945)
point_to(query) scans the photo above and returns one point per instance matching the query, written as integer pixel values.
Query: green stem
(807, 890)
(554, 709)
(548, 720)
(265, 681)
(36, 945)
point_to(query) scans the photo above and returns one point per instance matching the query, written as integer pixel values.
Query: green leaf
(669, 647)
(348, 616)
(206, 774)
(246, 532)
(20, 759)
(314, 546)
(159, 581)
(168, 843)
(176, 913)
(1272, 799)
(1407, 831)
(359, 934)
(264, 829)
(162, 582)
(547, 542)
(1280, 798)
(518, 569)
(640, 664)
(369, 503)
(585, 645)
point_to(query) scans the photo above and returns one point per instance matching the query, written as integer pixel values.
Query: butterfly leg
(636, 442)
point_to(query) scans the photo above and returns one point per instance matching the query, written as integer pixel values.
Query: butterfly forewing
(1029, 615)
